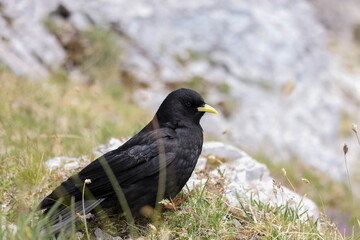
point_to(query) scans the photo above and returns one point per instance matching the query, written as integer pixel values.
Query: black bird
(166, 150)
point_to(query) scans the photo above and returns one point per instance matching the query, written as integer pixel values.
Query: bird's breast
(187, 150)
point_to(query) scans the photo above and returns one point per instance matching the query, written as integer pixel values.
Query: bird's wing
(143, 155)
(64, 217)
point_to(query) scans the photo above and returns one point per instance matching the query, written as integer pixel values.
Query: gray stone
(27, 48)
(71, 163)
(246, 178)
(339, 17)
(113, 144)
(68, 163)
(100, 235)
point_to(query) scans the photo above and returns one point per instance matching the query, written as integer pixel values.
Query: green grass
(41, 120)
(204, 215)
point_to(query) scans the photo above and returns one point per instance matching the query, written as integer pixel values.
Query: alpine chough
(155, 162)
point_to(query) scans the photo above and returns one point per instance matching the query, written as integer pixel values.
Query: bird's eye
(188, 104)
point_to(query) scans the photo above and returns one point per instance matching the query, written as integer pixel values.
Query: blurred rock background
(284, 74)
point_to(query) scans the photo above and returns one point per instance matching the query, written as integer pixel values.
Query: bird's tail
(62, 218)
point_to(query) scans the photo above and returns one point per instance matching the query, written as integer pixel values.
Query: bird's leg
(174, 204)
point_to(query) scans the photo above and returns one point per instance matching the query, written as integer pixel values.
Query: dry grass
(333, 198)
(55, 118)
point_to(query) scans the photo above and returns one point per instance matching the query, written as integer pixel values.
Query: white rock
(222, 150)
(27, 47)
(70, 163)
(246, 178)
(113, 144)
(67, 163)
(100, 235)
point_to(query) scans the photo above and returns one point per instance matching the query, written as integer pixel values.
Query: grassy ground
(40, 120)
(58, 118)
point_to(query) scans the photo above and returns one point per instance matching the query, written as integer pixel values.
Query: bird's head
(183, 107)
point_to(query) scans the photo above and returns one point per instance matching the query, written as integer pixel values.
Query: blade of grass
(119, 194)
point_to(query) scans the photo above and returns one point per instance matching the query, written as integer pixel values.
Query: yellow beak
(207, 108)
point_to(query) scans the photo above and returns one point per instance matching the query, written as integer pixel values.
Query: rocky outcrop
(246, 178)
(26, 46)
(340, 18)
